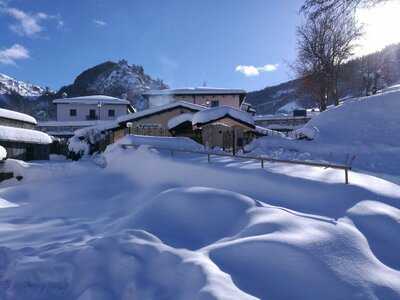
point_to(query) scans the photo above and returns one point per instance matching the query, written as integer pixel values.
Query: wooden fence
(262, 159)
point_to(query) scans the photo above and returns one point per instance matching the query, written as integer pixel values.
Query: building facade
(209, 97)
(80, 112)
(91, 108)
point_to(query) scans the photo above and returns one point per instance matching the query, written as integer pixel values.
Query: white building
(79, 112)
(89, 108)
(206, 96)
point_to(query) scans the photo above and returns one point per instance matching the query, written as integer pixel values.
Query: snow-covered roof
(14, 115)
(216, 113)
(22, 135)
(95, 99)
(158, 109)
(98, 128)
(196, 91)
(3, 153)
(178, 120)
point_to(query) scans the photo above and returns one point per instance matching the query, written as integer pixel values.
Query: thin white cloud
(28, 24)
(100, 23)
(250, 71)
(10, 55)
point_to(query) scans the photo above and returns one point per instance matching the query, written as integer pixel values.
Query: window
(72, 112)
(92, 114)
(214, 103)
(111, 113)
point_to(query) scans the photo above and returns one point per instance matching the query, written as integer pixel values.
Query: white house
(205, 96)
(79, 112)
(90, 108)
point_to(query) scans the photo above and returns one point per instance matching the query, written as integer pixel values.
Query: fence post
(208, 157)
(346, 172)
(262, 163)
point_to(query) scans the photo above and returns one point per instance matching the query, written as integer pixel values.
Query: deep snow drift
(366, 129)
(151, 226)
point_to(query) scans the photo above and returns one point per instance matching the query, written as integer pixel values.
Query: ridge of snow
(9, 85)
(179, 143)
(14, 115)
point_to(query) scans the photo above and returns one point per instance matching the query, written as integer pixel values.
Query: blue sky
(225, 43)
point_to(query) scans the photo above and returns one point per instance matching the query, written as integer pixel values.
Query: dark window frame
(73, 112)
(92, 114)
(214, 103)
(111, 113)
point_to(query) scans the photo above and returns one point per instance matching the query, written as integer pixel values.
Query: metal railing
(262, 159)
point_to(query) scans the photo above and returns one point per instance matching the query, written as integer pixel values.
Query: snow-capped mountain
(9, 86)
(114, 79)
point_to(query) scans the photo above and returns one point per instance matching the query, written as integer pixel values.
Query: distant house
(19, 139)
(205, 96)
(79, 112)
(89, 108)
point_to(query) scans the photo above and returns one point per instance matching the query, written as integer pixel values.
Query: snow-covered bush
(85, 141)
(306, 132)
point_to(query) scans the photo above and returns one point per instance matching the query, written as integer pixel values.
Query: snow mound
(364, 129)
(132, 265)
(193, 217)
(269, 258)
(180, 143)
(151, 226)
(380, 223)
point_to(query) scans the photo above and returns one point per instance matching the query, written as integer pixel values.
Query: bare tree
(315, 8)
(324, 44)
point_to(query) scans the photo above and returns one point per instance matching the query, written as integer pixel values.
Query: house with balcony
(79, 112)
(90, 108)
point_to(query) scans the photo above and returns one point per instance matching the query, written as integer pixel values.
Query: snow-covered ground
(140, 224)
(363, 130)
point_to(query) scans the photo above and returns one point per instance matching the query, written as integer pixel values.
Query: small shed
(224, 127)
(20, 140)
(25, 144)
